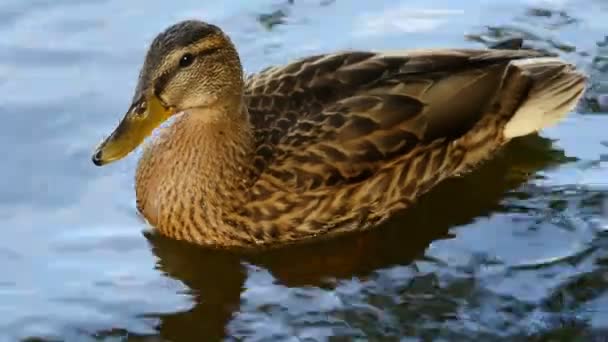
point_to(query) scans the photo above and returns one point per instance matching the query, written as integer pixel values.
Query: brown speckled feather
(380, 96)
(346, 139)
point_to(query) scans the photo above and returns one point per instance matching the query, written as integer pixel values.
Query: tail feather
(555, 89)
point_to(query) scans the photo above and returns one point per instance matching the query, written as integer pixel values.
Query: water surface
(516, 249)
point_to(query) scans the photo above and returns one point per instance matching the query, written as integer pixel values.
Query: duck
(324, 145)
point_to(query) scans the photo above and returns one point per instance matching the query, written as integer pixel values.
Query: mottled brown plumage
(327, 144)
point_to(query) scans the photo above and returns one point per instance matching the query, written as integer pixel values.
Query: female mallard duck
(325, 145)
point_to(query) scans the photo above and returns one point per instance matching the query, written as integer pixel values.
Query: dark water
(517, 249)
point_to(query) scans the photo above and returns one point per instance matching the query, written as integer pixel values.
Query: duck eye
(186, 60)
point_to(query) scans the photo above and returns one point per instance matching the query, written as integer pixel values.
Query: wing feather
(336, 119)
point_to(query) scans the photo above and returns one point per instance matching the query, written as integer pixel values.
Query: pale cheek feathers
(193, 94)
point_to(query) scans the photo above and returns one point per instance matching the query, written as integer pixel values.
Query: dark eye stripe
(162, 80)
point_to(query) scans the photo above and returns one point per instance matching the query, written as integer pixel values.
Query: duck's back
(345, 139)
(298, 97)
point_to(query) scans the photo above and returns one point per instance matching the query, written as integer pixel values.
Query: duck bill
(142, 118)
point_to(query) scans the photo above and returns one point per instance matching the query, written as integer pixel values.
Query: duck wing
(344, 149)
(337, 119)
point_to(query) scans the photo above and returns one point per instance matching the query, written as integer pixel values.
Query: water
(516, 249)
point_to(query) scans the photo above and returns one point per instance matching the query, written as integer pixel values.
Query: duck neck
(194, 173)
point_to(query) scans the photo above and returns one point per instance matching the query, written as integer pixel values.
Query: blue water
(516, 249)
